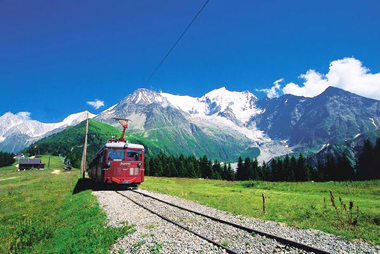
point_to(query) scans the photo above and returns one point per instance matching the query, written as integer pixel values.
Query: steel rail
(249, 230)
(179, 225)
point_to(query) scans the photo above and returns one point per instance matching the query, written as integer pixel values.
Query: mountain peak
(333, 91)
(143, 96)
(224, 93)
(76, 118)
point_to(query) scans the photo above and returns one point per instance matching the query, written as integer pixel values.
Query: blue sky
(57, 55)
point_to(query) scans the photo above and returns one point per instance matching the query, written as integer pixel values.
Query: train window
(134, 155)
(116, 154)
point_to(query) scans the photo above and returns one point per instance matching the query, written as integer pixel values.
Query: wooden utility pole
(84, 155)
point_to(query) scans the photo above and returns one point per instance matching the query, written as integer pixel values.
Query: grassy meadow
(39, 213)
(303, 205)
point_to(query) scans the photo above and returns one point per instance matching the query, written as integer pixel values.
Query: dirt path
(9, 178)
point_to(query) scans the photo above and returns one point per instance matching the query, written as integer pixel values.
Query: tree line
(289, 168)
(187, 166)
(6, 159)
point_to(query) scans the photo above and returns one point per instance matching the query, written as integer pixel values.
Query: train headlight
(139, 164)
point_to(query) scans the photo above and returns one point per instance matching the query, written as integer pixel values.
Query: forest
(6, 159)
(288, 168)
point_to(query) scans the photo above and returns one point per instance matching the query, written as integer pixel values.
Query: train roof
(122, 145)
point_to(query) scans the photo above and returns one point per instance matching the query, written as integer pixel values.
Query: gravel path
(154, 234)
(316, 238)
(238, 240)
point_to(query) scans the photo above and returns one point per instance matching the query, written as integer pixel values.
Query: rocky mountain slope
(313, 123)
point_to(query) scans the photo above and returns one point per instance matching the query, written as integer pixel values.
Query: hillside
(40, 214)
(69, 143)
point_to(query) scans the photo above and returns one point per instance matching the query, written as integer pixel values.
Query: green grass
(39, 213)
(296, 204)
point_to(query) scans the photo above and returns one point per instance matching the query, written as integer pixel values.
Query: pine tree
(248, 173)
(273, 171)
(302, 169)
(280, 170)
(210, 170)
(366, 161)
(231, 173)
(240, 170)
(256, 170)
(293, 167)
(182, 172)
(288, 174)
(265, 172)
(203, 166)
(217, 170)
(376, 156)
(331, 168)
(146, 167)
(345, 170)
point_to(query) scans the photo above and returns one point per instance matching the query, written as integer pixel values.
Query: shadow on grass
(88, 184)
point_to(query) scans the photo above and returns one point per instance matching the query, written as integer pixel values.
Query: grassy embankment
(39, 213)
(297, 204)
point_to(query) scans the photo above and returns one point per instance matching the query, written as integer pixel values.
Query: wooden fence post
(264, 208)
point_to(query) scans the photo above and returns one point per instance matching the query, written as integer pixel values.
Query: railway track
(286, 242)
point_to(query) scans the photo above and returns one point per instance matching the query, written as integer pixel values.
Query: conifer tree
(345, 170)
(293, 167)
(147, 168)
(248, 173)
(280, 171)
(273, 171)
(366, 161)
(289, 176)
(182, 171)
(376, 156)
(303, 170)
(217, 170)
(331, 168)
(204, 166)
(230, 173)
(265, 172)
(256, 170)
(240, 170)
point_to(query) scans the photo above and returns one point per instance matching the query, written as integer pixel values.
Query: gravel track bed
(152, 234)
(237, 240)
(316, 238)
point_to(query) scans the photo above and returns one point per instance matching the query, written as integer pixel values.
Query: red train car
(118, 162)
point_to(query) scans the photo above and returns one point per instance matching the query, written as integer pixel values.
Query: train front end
(124, 163)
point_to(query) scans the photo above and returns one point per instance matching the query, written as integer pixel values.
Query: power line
(171, 49)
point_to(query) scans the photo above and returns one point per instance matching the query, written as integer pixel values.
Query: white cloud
(348, 74)
(274, 91)
(24, 115)
(96, 104)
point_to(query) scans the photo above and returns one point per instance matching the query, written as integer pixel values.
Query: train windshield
(134, 155)
(116, 154)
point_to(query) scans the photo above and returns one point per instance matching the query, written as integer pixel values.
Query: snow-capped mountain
(225, 124)
(214, 124)
(222, 124)
(239, 107)
(17, 132)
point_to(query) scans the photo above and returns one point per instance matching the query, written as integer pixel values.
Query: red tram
(118, 161)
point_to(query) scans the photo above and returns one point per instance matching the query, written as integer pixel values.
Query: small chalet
(30, 164)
